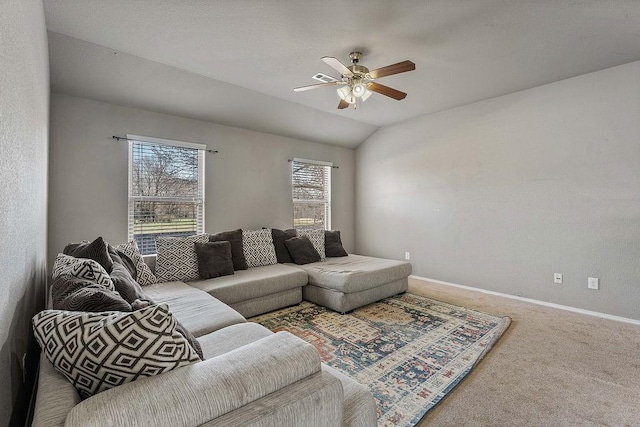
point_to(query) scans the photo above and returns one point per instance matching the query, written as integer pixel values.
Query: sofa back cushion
(176, 259)
(99, 351)
(258, 247)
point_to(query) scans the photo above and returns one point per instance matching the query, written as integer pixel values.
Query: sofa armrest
(201, 392)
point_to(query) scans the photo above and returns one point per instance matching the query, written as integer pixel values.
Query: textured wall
(502, 193)
(248, 183)
(24, 117)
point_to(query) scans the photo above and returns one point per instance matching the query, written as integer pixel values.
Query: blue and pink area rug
(409, 350)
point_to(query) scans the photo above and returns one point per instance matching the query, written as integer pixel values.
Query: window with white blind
(166, 190)
(311, 194)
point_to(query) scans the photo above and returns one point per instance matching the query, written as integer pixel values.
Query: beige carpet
(550, 368)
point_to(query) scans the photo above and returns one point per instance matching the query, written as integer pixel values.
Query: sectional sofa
(248, 375)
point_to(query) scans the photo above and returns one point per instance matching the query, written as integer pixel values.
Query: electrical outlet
(407, 256)
(593, 283)
(557, 278)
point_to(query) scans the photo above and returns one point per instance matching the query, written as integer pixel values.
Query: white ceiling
(236, 61)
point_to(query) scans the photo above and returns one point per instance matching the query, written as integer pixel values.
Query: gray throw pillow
(214, 259)
(128, 288)
(333, 244)
(71, 293)
(96, 250)
(279, 236)
(302, 250)
(234, 237)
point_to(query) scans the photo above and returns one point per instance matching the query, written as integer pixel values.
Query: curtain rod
(332, 166)
(124, 138)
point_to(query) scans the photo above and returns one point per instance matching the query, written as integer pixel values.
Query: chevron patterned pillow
(144, 276)
(177, 259)
(99, 351)
(258, 247)
(82, 268)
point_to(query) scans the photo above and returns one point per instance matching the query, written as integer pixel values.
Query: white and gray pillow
(317, 238)
(176, 259)
(144, 276)
(258, 248)
(99, 351)
(82, 268)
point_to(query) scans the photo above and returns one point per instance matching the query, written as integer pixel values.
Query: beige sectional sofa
(249, 375)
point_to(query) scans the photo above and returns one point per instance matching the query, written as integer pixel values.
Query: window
(311, 194)
(166, 190)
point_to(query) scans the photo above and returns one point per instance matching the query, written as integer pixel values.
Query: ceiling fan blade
(303, 88)
(400, 67)
(336, 65)
(386, 90)
(343, 104)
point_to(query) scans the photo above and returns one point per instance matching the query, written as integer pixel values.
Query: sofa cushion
(258, 247)
(96, 250)
(143, 274)
(198, 311)
(99, 351)
(317, 238)
(230, 338)
(177, 257)
(333, 244)
(214, 259)
(234, 237)
(279, 236)
(302, 250)
(81, 268)
(253, 283)
(355, 273)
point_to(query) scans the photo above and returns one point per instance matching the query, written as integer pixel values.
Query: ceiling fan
(357, 82)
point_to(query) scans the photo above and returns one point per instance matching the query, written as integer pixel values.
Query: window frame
(131, 199)
(326, 202)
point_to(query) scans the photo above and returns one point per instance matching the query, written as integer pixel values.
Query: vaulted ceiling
(235, 62)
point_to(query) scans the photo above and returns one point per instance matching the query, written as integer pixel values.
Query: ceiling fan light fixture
(367, 94)
(359, 90)
(345, 93)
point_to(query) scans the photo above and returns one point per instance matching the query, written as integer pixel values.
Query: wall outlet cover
(593, 283)
(557, 278)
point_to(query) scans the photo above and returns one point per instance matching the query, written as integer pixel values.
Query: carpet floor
(551, 368)
(410, 351)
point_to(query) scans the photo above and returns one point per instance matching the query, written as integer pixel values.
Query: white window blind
(311, 194)
(166, 190)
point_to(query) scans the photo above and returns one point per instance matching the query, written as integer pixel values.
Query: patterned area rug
(409, 350)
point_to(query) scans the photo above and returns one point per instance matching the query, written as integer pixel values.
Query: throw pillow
(124, 284)
(176, 259)
(279, 236)
(237, 253)
(333, 244)
(81, 268)
(317, 238)
(258, 247)
(214, 259)
(99, 351)
(73, 294)
(302, 250)
(96, 250)
(143, 274)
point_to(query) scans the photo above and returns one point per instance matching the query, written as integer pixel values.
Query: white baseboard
(533, 301)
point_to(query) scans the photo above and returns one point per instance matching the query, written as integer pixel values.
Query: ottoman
(346, 283)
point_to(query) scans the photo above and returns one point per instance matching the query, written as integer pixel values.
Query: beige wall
(502, 193)
(24, 118)
(248, 183)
